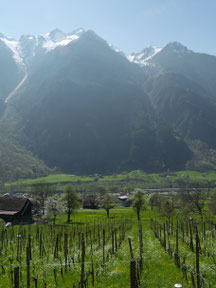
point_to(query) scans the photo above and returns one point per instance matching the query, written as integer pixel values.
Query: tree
(53, 206)
(192, 201)
(166, 207)
(101, 190)
(41, 191)
(154, 200)
(138, 202)
(90, 201)
(96, 189)
(107, 204)
(70, 200)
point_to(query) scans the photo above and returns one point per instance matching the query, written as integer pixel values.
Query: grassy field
(159, 270)
(137, 177)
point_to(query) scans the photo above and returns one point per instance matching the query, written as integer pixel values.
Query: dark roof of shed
(12, 204)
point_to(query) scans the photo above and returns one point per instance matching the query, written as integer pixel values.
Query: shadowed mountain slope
(83, 109)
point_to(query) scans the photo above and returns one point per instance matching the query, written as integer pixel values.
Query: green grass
(187, 175)
(207, 262)
(159, 270)
(54, 179)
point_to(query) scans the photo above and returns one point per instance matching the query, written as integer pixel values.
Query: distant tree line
(187, 202)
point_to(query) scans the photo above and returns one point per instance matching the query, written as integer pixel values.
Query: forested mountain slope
(85, 108)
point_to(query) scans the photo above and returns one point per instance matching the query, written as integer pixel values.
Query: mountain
(178, 59)
(144, 56)
(84, 107)
(184, 93)
(198, 67)
(11, 66)
(186, 106)
(181, 85)
(31, 45)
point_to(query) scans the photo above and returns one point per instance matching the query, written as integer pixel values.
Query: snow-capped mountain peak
(14, 46)
(177, 48)
(57, 38)
(144, 56)
(43, 43)
(56, 35)
(78, 31)
(28, 46)
(2, 35)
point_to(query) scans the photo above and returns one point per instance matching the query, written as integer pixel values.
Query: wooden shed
(16, 210)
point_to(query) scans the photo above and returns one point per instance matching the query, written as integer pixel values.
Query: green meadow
(160, 180)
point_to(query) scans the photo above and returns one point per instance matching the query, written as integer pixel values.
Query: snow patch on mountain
(50, 45)
(29, 45)
(144, 56)
(16, 88)
(78, 32)
(116, 49)
(57, 38)
(14, 46)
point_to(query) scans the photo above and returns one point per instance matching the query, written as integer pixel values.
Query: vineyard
(191, 245)
(94, 251)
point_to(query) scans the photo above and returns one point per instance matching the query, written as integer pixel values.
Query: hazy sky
(130, 25)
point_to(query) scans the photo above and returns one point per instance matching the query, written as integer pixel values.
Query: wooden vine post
(92, 262)
(28, 253)
(116, 243)
(197, 259)
(141, 245)
(177, 250)
(130, 247)
(164, 236)
(16, 277)
(191, 235)
(103, 246)
(113, 249)
(56, 247)
(168, 238)
(66, 249)
(133, 278)
(133, 274)
(83, 261)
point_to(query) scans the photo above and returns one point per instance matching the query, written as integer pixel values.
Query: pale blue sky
(130, 25)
